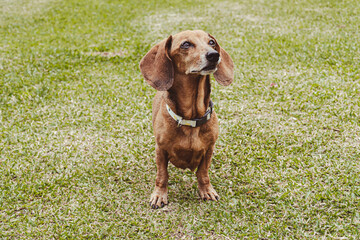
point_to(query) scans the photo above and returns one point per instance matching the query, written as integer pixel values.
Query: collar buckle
(179, 122)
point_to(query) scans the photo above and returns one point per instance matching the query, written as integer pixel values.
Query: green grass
(76, 143)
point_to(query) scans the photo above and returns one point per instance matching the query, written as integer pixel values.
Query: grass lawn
(76, 142)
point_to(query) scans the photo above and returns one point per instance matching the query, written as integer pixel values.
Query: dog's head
(188, 52)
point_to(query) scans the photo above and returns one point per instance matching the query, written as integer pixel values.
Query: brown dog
(185, 125)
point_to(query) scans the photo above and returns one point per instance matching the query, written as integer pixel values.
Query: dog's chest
(185, 158)
(187, 152)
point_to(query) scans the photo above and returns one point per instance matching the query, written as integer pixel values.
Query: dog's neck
(190, 95)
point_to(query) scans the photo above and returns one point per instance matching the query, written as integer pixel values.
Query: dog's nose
(212, 56)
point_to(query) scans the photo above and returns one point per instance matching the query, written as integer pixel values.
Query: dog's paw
(208, 193)
(159, 198)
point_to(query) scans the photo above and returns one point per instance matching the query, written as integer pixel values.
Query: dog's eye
(185, 45)
(212, 42)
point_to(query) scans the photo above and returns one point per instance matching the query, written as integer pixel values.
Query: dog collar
(193, 122)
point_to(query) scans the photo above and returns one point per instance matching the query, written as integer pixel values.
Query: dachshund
(184, 121)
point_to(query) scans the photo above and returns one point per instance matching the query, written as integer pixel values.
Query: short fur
(179, 76)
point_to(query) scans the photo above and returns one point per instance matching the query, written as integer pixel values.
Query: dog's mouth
(206, 70)
(209, 67)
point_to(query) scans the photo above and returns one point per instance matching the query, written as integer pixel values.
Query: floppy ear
(156, 66)
(225, 70)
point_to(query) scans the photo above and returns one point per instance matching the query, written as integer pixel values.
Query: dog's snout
(212, 56)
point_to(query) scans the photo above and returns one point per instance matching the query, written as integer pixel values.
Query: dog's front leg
(159, 197)
(206, 190)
